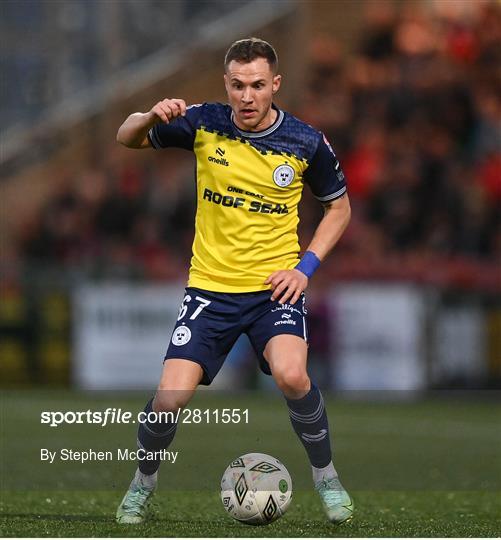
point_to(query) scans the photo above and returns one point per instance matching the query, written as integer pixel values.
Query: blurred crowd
(414, 115)
(123, 218)
(75, 44)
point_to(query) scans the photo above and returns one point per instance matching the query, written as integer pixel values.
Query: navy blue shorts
(209, 324)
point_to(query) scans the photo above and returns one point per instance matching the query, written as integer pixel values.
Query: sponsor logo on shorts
(181, 335)
(286, 319)
(286, 307)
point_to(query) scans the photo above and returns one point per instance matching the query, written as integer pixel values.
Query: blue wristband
(308, 264)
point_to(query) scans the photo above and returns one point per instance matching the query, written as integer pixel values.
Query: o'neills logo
(219, 161)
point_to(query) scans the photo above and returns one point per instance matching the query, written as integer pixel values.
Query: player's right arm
(133, 133)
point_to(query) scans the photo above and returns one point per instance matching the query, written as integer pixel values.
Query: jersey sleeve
(324, 174)
(179, 133)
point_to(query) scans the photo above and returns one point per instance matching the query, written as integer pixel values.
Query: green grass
(415, 468)
(387, 514)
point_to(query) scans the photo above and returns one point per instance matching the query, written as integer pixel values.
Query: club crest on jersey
(283, 175)
(181, 335)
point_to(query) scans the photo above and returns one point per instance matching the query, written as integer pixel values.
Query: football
(256, 489)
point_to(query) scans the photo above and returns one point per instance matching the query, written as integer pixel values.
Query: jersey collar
(257, 134)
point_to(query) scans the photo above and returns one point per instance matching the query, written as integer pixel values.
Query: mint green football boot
(337, 503)
(134, 506)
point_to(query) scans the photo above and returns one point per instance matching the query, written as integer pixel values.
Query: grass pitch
(415, 468)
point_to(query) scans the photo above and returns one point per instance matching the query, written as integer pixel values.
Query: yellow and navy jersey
(249, 185)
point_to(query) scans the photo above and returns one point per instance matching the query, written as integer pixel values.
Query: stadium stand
(413, 115)
(412, 110)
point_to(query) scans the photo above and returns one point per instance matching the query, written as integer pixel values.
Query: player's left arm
(331, 227)
(328, 184)
(287, 285)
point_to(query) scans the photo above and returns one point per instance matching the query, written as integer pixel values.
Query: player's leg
(203, 336)
(286, 355)
(178, 383)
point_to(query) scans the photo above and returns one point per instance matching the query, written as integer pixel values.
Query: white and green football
(256, 489)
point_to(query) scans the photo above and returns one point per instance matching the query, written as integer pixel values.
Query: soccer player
(246, 276)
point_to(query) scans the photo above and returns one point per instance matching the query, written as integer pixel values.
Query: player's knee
(293, 382)
(170, 400)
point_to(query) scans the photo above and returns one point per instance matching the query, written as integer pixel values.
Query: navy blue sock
(152, 436)
(309, 420)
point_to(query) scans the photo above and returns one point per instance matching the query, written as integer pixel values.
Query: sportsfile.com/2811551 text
(113, 415)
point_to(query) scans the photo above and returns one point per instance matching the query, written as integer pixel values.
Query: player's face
(250, 88)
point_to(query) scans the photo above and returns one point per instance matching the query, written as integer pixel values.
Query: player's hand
(287, 284)
(168, 109)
